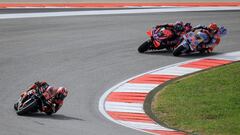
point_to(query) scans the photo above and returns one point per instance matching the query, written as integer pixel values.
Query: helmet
(188, 26)
(179, 26)
(179, 22)
(61, 93)
(213, 27)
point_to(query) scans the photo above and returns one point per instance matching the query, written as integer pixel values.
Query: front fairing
(151, 33)
(159, 34)
(185, 44)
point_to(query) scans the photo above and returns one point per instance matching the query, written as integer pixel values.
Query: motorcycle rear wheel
(144, 47)
(30, 106)
(49, 113)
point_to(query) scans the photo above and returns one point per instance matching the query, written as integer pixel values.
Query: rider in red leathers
(53, 95)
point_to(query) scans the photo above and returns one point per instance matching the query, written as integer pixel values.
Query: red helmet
(213, 27)
(61, 93)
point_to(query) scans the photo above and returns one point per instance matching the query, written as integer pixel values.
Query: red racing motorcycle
(158, 40)
(33, 103)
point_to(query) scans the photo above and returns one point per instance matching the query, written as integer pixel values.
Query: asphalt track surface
(88, 55)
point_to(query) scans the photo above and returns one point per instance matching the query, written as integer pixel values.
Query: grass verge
(206, 103)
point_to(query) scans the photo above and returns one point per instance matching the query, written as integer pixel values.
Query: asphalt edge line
(118, 5)
(114, 12)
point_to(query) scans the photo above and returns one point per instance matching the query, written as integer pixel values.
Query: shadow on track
(192, 55)
(160, 52)
(199, 55)
(54, 116)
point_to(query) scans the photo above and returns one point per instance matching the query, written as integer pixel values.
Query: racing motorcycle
(158, 40)
(193, 41)
(33, 103)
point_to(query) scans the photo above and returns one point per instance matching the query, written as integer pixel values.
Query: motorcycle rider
(187, 28)
(53, 96)
(178, 29)
(213, 32)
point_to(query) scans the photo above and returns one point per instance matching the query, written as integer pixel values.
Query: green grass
(206, 103)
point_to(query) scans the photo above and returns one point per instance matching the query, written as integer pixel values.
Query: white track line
(124, 107)
(179, 71)
(113, 12)
(146, 126)
(128, 87)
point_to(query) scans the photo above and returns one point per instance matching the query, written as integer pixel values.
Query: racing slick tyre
(29, 106)
(202, 51)
(15, 106)
(178, 50)
(144, 47)
(49, 113)
(170, 49)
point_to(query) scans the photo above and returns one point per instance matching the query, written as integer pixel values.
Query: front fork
(153, 44)
(187, 47)
(18, 104)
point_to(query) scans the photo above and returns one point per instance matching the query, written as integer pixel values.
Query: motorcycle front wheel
(178, 51)
(144, 47)
(15, 106)
(29, 106)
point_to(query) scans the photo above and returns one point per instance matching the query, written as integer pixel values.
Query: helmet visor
(60, 96)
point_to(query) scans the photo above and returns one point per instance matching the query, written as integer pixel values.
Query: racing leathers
(213, 40)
